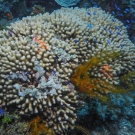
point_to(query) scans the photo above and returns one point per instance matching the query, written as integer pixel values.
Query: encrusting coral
(39, 54)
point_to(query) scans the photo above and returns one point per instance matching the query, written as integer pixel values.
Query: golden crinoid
(36, 127)
(94, 87)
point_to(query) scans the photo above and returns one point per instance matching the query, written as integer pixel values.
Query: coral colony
(47, 59)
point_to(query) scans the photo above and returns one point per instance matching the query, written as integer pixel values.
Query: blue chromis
(121, 15)
(108, 41)
(116, 7)
(118, 33)
(110, 32)
(121, 45)
(88, 13)
(75, 40)
(89, 25)
(127, 26)
(1, 112)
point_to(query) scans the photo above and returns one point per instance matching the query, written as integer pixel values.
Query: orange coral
(37, 127)
(105, 68)
(41, 44)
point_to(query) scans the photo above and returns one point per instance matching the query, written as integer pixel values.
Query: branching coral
(61, 41)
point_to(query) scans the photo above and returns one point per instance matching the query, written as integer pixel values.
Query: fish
(88, 13)
(116, 7)
(113, 13)
(113, 20)
(108, 41)
(70, 86)
(67, 82)
(133, 21)
(121, 45)
(121, 15)
(104, 28)
(53, 72)
(127, 21)
(127, 10)
(75, 40)
(94, 39)
(1, 112)
(110, 32)
(118, 33)
(127, 26)
(117, 27)
(85, 40)
(89, 25)
(63, 61)
(27, 73)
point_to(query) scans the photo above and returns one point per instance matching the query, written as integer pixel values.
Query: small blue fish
(113, 20)
(63, 61)
(94, 39)
(118, 33)
(1, 112)
(88, 13)
(85, 40)
(121, 45)
(95, 4)
(117, 27)
(53, 72)
(110, 32)
(127, 26)
(133, 21)
(108, 41)
(75, 40)
(134, 37)
(55, 58)
(127, 10)
(127, 21)
(27, 73)
(67, 82)
(121, 15)
(116, 7)
(89, 25)
(113, 13)
(104, 28)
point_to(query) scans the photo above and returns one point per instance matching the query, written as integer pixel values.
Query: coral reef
(39, 54)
